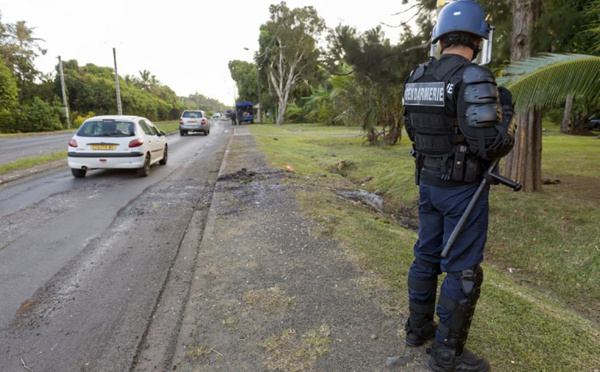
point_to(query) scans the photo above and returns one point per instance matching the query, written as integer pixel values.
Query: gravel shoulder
(270, 294)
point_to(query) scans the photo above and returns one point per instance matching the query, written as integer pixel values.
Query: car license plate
(103, 147)
(192, 121)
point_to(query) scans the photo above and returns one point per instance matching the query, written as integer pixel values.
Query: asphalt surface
(13, 148)
(87, 265)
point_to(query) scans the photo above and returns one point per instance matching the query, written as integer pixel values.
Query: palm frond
(547, 80)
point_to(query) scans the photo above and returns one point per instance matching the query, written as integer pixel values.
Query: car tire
(163, 161)
(145, 170)
(78, 173)
(181, 133)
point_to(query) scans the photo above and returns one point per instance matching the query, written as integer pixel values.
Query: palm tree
(540, 82)
(548, 80)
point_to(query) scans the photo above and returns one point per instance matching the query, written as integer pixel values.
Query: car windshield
(192, 114)
(106, 128)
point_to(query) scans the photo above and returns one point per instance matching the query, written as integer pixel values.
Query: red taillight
(72, 143)
(180, 121)
(136, 143)
(203, 121)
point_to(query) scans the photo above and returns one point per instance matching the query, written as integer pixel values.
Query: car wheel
(78, 173)
(181, 133)
(163, 161)
(145, 170)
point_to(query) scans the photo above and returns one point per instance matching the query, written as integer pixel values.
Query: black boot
(451, 355)
(443, 358)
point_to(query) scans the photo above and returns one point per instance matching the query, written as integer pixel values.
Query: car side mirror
(161, 133)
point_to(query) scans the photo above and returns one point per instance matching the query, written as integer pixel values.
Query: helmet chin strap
(475, 48)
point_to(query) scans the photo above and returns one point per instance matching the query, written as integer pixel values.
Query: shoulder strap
(445, 71)
(420, 70)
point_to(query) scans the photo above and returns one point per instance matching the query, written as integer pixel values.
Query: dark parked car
(594, 123)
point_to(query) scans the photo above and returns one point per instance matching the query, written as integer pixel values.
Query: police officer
(459, 122)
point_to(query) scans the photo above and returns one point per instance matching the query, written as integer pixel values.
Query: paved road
(13, 148)
(85, 263)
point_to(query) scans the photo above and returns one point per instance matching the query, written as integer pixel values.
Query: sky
(186, 44)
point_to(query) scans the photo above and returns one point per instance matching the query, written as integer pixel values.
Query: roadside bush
(79, 118)
(8, 98)
(38, 116)
(295, 114)
(7, 121)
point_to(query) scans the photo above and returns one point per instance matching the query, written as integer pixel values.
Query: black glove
(505, 97)
(508, 108)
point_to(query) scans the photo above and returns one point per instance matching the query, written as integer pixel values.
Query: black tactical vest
(430, 103)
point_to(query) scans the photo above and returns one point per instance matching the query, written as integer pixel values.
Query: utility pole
(64, 93)
(119, 108)
(258, 91)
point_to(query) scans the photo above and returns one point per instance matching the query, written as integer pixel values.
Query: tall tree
(379, 70)
(289, 43)
(245, 76)
(524, 162)
(18, 48)
(593, 27)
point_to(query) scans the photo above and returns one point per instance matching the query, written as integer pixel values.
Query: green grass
(573, 155)
(304, 130)
(540, 301)
(168, 126)
(5, 135)
(25, 163)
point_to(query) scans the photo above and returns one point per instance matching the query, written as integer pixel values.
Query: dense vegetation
(31, 101)
(357, 78)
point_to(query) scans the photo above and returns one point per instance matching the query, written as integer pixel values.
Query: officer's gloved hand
(505, 96)
(506, 102)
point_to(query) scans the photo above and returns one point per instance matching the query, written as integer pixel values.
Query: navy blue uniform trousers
(440, 208)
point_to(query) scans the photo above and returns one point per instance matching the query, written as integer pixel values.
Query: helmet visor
(485, 49)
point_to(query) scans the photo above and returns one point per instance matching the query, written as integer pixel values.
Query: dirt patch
(244, 175)
(270, 300)
(272, 294)
(407, 217)
(295, 351)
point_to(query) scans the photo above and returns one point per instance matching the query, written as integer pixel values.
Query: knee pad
(470, 282)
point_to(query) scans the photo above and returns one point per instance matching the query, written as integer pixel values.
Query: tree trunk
(524, 163)
(281, 111)
(564, 127)
(283, 77)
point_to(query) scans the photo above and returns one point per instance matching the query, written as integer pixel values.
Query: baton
(485, 182)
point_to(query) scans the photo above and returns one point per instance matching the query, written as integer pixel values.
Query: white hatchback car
(116, 141)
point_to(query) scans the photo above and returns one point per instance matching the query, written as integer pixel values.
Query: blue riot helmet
(464, 16)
